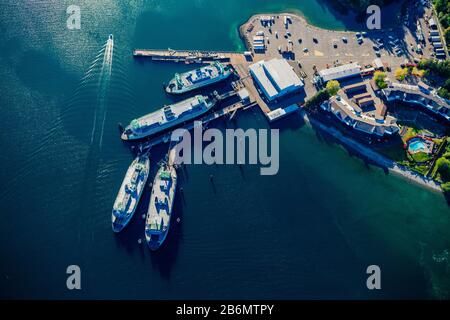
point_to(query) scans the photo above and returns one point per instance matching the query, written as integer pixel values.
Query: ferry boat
(198, 78)
(130, 192)
(167, 117)
(161, 204)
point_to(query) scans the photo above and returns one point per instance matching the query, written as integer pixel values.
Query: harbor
(304, 233)
(307, 49)
(286, 62)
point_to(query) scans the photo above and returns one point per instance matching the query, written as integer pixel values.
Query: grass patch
(420, 157)
(410, 132)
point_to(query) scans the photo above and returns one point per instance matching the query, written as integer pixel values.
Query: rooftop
(348, 109)
(343, 71)
(276, 77)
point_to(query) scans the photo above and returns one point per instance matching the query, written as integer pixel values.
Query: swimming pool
(418, 145)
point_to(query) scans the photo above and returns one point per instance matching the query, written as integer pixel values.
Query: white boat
(198, 78)
(161, 206)
(130, 192)
(167, 117)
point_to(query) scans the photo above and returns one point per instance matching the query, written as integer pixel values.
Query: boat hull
(119, 224)
(171, 88)
(160, 215)
(131, 135)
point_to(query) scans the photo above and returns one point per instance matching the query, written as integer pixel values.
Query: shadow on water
(164, 259)
(292, 122)
(329, 139)
(356, 19)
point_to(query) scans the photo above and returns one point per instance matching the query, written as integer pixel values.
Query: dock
(188, 56)
(228, 110)
(239, 61)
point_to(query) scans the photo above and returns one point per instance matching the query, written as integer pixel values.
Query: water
(417, 145)
(308, 232)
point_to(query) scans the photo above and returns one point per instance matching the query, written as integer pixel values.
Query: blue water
(417, 145)
(308, 232)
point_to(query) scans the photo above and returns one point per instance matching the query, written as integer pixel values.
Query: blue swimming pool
(417, 146)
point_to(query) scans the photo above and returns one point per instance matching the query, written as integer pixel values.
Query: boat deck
(161, 199)
(229, 110)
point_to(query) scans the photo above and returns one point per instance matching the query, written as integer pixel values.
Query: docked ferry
(198, 78)
(130, 192)
(161, 204)
(167, 117)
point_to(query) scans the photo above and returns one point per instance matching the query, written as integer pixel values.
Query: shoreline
(374, 156)
(304, 21)
(358, 147)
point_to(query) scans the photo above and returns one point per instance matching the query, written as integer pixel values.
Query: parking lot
(308, 47)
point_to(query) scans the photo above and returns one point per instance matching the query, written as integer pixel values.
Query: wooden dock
(188, 56)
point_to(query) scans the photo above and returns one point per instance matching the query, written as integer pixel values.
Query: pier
(228, 110)
(188, 56)
(239, 61)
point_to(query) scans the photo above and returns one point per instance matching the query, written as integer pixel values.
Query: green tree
(446, 187)
(380, 79)
(333, 87)
(317, 99)
(443, 167)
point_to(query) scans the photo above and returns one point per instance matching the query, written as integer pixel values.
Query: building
(341, 72)
(358, 107)
(259, 43)
(421, 94)
(276, 78)
(281, 113)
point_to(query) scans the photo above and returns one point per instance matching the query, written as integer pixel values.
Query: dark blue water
(308, 232)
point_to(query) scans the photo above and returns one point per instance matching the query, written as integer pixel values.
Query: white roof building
(341, 72)
(275, 77)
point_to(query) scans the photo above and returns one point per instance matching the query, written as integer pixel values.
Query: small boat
(161, 204)
(130, 192)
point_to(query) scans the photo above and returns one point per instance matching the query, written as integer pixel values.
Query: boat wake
(103, 85)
